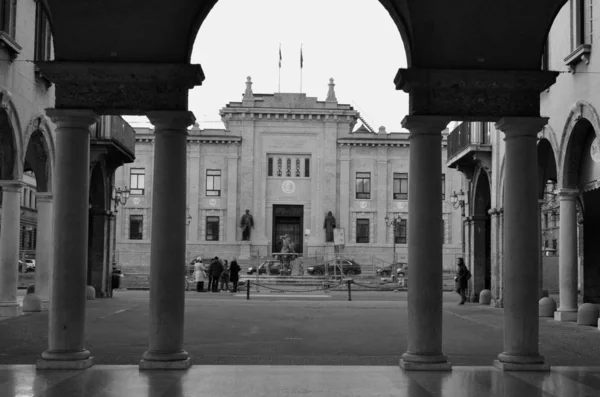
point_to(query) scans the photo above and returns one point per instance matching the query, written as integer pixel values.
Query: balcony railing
(116, 129)
(468, 134)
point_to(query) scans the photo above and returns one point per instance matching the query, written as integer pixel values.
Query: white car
(29, 265)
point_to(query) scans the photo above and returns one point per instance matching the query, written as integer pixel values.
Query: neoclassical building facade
(289, 159)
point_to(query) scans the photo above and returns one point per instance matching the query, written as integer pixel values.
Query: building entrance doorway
(288, 219)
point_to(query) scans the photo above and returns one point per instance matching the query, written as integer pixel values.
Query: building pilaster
(9, 248)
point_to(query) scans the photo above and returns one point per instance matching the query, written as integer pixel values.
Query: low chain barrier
(320, 288)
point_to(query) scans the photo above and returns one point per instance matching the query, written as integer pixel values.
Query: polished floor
(309, 381)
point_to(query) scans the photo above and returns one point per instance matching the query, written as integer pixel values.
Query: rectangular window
(279, 166)
(43, 36)
(137, 178)
(555, 246)
(443, 187)
(212, 228)
(363, 185)
(8, 9)
(307, 168)
(362, 231)
(581, 23)
(298, 168)
(270, 166)
(288, 169)
(545, 220)
(401, 186)
(213, 182)
(400, 232)
(136, 227)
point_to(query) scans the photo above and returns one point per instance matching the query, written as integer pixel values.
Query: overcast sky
(355, 42)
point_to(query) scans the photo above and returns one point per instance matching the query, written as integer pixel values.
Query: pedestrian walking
(461, 281)
(234, 274)
(224, 279)
(215, 273)
(199, 275)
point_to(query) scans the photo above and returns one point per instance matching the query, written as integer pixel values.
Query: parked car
(29, 265)
(386, 271)
(345, 266)
(270, 267)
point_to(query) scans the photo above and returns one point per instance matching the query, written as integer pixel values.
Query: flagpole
(301, 66)
(279, 79)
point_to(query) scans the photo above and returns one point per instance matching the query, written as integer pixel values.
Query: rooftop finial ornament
(248, 93)
(331, 92)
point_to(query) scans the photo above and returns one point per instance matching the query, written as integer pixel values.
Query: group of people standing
(219, 273)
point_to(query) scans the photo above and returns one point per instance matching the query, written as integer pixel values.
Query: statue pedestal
(329, 252)
(244, 250)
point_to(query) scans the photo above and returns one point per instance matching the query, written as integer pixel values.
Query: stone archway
(481, 235)
(581, 171)
(98, 276)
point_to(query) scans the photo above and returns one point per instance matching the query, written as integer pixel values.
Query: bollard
(349, 290)
(247, 290)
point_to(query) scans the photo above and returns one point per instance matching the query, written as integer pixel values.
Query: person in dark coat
(216, 268)
(209, 275)
(461, 281)
(234, 274)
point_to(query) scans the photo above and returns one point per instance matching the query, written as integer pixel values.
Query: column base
(510, 362)
(152, 360)
(180, 364)
(59, 364)
(521, 367)
(565, 315)
(415, 362)
(10, 309)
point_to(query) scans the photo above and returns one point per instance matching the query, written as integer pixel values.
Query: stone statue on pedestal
(329, 225)
(246, 224)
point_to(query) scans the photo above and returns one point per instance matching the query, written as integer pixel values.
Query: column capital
(122, 87)
(11, 186)
(493, 212)
(73, 118)
(44, 197)
(425, 125)
(171, 120)
(567, 194)
(475, 94)
(521, 127)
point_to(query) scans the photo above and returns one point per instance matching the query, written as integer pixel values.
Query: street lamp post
(458, 200)
(395, 223)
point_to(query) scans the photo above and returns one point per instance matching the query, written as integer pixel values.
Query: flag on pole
(301, 58)
(279, 56)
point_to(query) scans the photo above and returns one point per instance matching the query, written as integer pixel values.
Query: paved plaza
(314, 345)
(280, 329)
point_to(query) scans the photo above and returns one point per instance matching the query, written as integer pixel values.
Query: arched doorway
(582, 171)
(549, 217)
(97, 271)
(481, 235)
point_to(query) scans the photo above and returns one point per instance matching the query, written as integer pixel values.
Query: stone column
(167, 255)
(66, 330)
(43, 248)
(540, 253)
(425, 245)
(494, 254)
(521, 270)
(567, 256)
(500, 302)
(9, 248)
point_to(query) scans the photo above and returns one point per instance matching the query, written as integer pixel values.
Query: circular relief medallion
(362, 204)
(595, 150)
(288, 187)
(212, 202)
(136, 200)
(400, 205)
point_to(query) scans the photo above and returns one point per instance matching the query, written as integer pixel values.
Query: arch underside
(437, 34)
(37, 159)
(8, 149)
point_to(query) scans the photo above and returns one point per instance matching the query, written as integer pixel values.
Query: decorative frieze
(474, 94)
